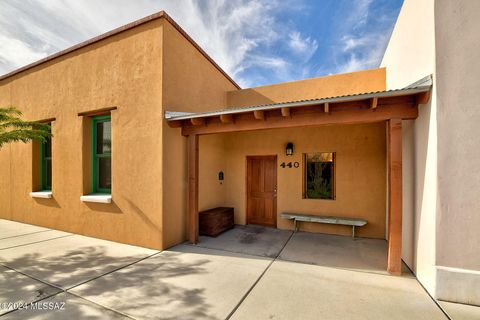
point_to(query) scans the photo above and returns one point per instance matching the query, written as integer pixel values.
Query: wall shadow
(47, 202)
(104, 207)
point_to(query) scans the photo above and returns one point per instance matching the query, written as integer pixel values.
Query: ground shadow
(141, 286)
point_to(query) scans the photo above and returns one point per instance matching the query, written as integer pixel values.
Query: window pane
(104, 173)
(319, 175)
(48, 148)
(48, 174)
(104, 137)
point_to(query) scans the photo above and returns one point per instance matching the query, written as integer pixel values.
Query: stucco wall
(322, 87)
(125, 71)
(458, 69)
(410, 56)
(190, 83)
(360, 173)
(458, 82)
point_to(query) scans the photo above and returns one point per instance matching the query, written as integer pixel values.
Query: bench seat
(354, 222)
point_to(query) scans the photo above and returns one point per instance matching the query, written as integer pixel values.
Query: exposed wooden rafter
(373, 103)
(423, 98)
(326, 107)
(259, 114)
(226, 118)
(286, 112)
(198, 121)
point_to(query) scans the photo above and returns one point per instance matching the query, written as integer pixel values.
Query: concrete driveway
(248, 272)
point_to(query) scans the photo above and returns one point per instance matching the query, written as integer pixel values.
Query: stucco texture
(315, 88)
(190, 83)
(458, 67)
(124, 71)
(360, 173)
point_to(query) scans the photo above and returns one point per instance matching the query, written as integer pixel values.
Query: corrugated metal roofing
(422, 85)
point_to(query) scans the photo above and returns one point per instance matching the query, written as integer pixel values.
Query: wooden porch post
(394, 265)
(193, 188)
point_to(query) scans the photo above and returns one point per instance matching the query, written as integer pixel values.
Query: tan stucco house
(148, 130)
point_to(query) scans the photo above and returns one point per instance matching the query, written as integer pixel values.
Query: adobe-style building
(148, 130)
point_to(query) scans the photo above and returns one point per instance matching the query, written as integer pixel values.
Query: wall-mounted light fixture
(289, 149)
(221, 177)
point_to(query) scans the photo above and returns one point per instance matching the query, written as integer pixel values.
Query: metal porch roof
(422, 85)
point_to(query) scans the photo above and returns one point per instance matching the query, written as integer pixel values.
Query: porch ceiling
(359, 108)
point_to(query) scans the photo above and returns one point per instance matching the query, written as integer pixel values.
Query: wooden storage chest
(215, 221)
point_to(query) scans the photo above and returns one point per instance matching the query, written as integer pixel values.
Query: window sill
(99, 198)
(41, 194)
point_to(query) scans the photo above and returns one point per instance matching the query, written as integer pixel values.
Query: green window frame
(46, 165)
(101, 155)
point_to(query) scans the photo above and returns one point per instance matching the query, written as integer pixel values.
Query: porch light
(289, 149)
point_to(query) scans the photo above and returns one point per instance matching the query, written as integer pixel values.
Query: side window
(319, 175)
(46, 165)
(102, 154)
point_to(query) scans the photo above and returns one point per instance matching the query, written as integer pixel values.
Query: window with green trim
(46, 165)
(101, 154)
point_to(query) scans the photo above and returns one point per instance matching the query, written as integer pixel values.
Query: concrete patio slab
(369, 255)
(17, 288)
(458, 311)
(251, 239)
(31, 238)
(12, 229)
(67, 306)
(71, 260)
(291, 290)
(185, 282)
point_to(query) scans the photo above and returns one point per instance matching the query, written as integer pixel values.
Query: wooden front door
(262, 190)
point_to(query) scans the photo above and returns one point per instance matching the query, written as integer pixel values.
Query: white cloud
(17, 52)
(362, 46)
(236, 33)
(350, 42)
(302, 46)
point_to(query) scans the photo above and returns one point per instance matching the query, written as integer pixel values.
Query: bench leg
(295, 226)
(353, 232)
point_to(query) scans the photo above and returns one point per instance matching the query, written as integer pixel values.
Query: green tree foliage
(13, 128)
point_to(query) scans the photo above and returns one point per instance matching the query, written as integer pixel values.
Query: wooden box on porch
(215, 221)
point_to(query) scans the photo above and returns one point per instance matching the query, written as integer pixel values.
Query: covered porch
(386, 108)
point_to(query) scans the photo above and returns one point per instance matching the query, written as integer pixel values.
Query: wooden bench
(354, 222)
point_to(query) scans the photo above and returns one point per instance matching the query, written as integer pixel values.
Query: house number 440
(290, 165)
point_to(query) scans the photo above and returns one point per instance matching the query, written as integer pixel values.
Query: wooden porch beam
(394, 260)
(339, 114)
(198, 121)
(193, 188)
(259, 115)
(326, 107)
(286, 112)
(175, 124)
(226, 118)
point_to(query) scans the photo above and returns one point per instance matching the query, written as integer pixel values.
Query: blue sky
(256, 41)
